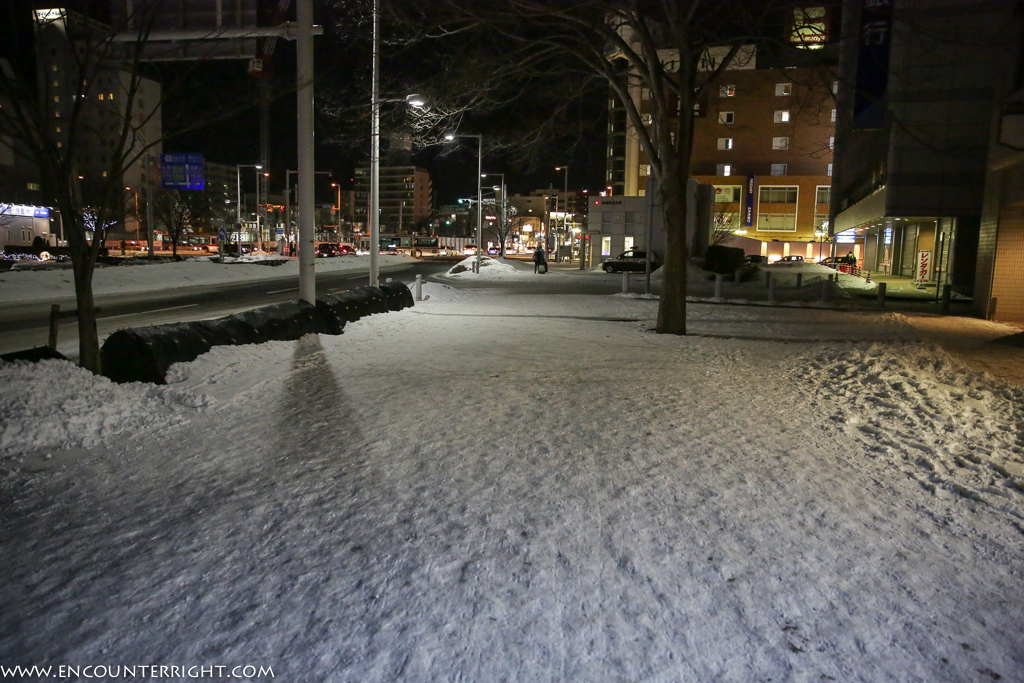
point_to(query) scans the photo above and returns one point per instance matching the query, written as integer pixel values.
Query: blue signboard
(748, 204)
(183, 171)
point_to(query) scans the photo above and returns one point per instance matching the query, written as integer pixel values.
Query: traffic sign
(183, 171)
(222, 235)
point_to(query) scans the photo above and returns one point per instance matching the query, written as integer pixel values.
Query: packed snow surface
(496, 486)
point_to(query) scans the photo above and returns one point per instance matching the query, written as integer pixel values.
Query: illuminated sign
(22, 210)
(183, 171)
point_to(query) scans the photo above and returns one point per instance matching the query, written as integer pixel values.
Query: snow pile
(490, 269)
(921, 412)
(56, 404)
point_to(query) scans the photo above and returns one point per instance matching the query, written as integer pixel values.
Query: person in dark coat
(539, 259)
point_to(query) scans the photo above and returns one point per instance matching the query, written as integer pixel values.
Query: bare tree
(659, 58)
(77, 113)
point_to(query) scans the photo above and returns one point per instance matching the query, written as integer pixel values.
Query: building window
(835, 87)
(783, 89)
(724, 143)
(56, 98)
(823, 195)
(830, 170)
(831, 142)
(606, 246)
(781, 116)
(780, 169)
(723, 169)
(780, 143)
(726, 117)
(101, 96)
(833, 116)
(34, 186)
(777, 208)
(627, 242)
(727, 91)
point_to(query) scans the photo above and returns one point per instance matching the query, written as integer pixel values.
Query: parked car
(755, 260)
(791, 259)
(327, 249)
(632, 260)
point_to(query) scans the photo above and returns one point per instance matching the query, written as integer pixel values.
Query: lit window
(835, 87)
(833, 116)
(780, 143)
(723, 170)
(56, 98)
(56, 84)
(824, 195)
(780, 169)
(830, 170)
(727, 91)
(724, 143)
(726, 117)
(101, 96)
(831, 142)
(781, 116)
(778, 195)
(782, 89)
(54, 67)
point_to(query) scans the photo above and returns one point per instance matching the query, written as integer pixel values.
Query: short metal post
(738, 276)
(419, 288)
(947, 292)
(54, 317)
(767, 279)
(625, 282)
(799, 280)
(825, 284)
(718, 285)
(881, 295)
(771, 289)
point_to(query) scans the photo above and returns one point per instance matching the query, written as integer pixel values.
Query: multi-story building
(920, 97)
(406, 198)
(763, 138)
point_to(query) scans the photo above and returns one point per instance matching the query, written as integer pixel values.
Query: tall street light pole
(479, 188)
(565, 209)
(304, 97)
(238, 205)
(501, 209)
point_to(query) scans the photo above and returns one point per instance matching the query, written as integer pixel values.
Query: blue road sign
(222, 235)
(183, 171)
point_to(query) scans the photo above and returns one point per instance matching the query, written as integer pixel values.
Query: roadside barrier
(144, 354)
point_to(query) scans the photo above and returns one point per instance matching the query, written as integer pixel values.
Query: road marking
(155, 310)
(278, 291)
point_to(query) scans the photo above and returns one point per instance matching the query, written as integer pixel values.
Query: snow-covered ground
(488, 487)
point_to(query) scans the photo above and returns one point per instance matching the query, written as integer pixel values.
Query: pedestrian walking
(540, 262)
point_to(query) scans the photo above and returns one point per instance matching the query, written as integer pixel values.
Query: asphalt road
(23, 326)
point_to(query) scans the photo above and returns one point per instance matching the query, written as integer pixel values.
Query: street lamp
(238, 205)
(479, 187)
(565, 212)
(501, 213)
(337, 209)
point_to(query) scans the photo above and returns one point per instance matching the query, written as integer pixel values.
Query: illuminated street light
(479, 187)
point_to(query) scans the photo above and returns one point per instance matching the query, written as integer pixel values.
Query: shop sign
(924, 266)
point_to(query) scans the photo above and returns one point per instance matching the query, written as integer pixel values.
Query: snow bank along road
(520, 488)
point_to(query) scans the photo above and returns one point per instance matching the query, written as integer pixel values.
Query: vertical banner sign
(924, 266)
(872, 64)
(183, 171)
(748, 204)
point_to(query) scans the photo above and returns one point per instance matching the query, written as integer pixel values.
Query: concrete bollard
(419, 288)
(718, 285)
(625, 282)
(771, 290)
(881, 295)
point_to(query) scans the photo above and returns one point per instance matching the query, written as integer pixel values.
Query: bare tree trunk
(672, 309)
(88, 337)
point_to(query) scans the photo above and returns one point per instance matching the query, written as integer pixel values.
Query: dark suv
(326, 249)
(632, 260)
